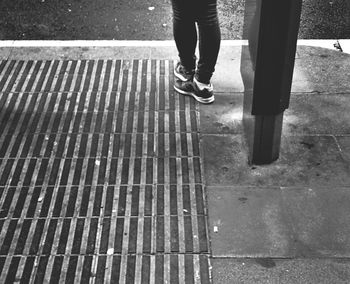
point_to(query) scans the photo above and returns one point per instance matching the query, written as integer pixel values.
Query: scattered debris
(243, 199)
(266, 262)
(36, 262)
(197, 276)
(338, 46)
(307, 145)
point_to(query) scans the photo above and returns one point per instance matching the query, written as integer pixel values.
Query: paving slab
(304, 161)
(227, 76)
(4, 53)
(224, 116)
(249, 222)
(288, 271)
(320, 218)
(318, 113)
(321, 70)
(279, 222)
(344, 144)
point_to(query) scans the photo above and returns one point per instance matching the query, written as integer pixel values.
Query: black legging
(185, 15)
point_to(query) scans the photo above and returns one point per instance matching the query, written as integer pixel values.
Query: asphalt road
(146, 19)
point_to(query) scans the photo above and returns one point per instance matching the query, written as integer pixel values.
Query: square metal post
(267, 63)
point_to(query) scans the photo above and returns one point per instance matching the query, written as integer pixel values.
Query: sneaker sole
(197, 98)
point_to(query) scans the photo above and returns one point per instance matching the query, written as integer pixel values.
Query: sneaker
(182, 74)
(202, 93)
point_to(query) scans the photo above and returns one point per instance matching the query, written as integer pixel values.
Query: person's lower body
(194, 79)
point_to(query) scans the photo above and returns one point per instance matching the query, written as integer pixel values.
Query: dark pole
(267, 63)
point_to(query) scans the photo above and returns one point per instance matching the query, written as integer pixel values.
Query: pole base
(263, 136)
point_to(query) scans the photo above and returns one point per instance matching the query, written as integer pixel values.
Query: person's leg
(185, 33)
(205, 14)
(209, 40)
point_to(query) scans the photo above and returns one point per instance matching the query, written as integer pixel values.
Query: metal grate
(100, 174)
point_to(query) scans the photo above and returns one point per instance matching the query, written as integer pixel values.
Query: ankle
(201, 84)
(200, 80)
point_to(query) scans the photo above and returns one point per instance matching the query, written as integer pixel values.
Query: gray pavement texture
(287, 222)
(286, 271)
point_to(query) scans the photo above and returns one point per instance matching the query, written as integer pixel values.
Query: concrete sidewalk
(283, 223)
(287, 222)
